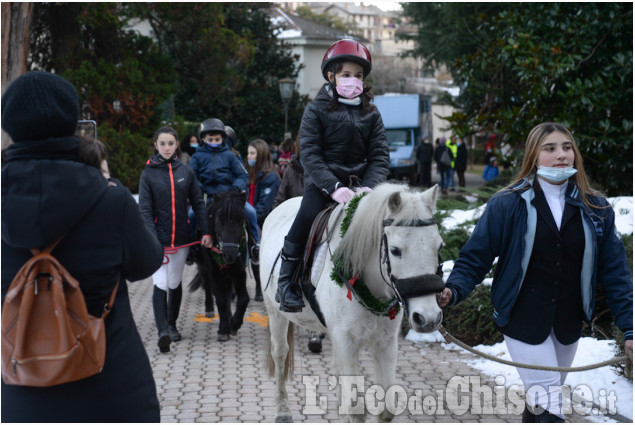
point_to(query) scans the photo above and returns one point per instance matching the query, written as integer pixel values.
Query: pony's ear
(432, 194)
(395, 203)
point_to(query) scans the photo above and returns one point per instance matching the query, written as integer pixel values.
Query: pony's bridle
(412, 286)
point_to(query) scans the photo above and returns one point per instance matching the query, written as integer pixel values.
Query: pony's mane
(364, 234)
(229, 206)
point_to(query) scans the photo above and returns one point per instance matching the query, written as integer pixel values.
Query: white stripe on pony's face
(413, 252)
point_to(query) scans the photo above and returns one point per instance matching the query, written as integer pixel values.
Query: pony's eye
(395, 251)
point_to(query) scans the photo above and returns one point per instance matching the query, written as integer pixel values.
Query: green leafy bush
(128, 154)
(471, 321)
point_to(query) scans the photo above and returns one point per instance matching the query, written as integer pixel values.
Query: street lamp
(286, 92)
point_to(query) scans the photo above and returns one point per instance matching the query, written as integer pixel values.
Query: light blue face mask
(194, 145)
(251, 162)
(214, 145)
(556, 174)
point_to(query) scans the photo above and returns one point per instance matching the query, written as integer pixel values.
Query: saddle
(316, 237)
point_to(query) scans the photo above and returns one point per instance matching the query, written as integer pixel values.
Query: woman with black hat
(47, 194)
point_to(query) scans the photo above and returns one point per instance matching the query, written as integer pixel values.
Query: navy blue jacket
(507, 230)
(165, 187)
(218, 169)
(266, 190)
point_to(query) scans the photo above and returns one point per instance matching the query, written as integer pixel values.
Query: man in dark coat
(48, 194)
(424, 156)
(460, 163)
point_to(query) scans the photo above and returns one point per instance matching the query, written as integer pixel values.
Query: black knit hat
(39, 105)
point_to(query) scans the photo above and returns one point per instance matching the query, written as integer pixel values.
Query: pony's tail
(270, 364)
(196, 283)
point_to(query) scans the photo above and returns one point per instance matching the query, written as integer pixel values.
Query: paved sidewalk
(202, 380)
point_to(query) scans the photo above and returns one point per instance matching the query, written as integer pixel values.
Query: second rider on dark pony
(341, 135)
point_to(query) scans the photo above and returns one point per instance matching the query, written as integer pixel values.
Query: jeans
(253, 221)
(450, 178)
(251, 216)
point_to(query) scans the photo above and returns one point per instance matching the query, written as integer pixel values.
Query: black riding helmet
(231, 136)
(212, 125)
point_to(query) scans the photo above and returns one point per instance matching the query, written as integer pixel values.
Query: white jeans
(543, 387)
(169, 275)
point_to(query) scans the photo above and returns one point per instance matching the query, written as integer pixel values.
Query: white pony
(392, 245)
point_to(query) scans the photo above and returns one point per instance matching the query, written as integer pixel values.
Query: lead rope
(449, 338)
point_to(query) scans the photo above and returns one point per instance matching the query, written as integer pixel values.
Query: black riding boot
(289, 294)
(160, 307)
(174, 306)
(546, 417)
(528, 417)
(256, 269)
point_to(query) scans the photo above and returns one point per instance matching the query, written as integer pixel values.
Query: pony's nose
(425, 323)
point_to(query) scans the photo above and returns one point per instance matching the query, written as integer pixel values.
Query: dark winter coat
(292, 184)
(219, 169)
(165, 188)
(266, 189)
(105, 239)
(507, 230)
(438, 152)
(343, 142)
(460, 163)
(424, 153)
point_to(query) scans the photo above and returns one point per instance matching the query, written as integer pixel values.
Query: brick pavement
(203, 380)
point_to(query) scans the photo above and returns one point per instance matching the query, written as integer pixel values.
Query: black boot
(289, 294)
(528, 417)
(160, 307)
(545, 417)
(174, 306)
(256, 269)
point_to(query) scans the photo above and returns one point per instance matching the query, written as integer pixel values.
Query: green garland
(362, 290)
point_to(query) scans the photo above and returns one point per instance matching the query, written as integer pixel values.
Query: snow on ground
(599, 384)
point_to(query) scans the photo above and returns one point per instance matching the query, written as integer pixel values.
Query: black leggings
(313, 201)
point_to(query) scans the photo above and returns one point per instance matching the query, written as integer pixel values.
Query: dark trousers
(461, 175)
(425, 174)
(313, 201)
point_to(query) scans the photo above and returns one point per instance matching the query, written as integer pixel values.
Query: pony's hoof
(258, 298)
(233, 332)
(284, 419)
(315, 344)
(209, 314)
(222, 337)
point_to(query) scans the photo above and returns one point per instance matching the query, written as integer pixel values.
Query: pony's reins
(174, 249)
(449, 338)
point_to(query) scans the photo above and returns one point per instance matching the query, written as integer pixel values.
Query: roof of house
(293, 26)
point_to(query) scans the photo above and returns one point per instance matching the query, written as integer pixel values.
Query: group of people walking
(450, 157)
(554, 236)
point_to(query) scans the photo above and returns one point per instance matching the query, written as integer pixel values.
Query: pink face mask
(349, 87)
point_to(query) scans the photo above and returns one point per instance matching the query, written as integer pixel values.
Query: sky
(600, 381)
(384, 5)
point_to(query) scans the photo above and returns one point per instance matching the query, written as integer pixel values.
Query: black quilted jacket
(165, 188)
(343, 142)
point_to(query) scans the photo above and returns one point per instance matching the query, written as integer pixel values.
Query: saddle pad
(319, 259)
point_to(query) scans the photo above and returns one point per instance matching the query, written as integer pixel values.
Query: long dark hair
(366, 96)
